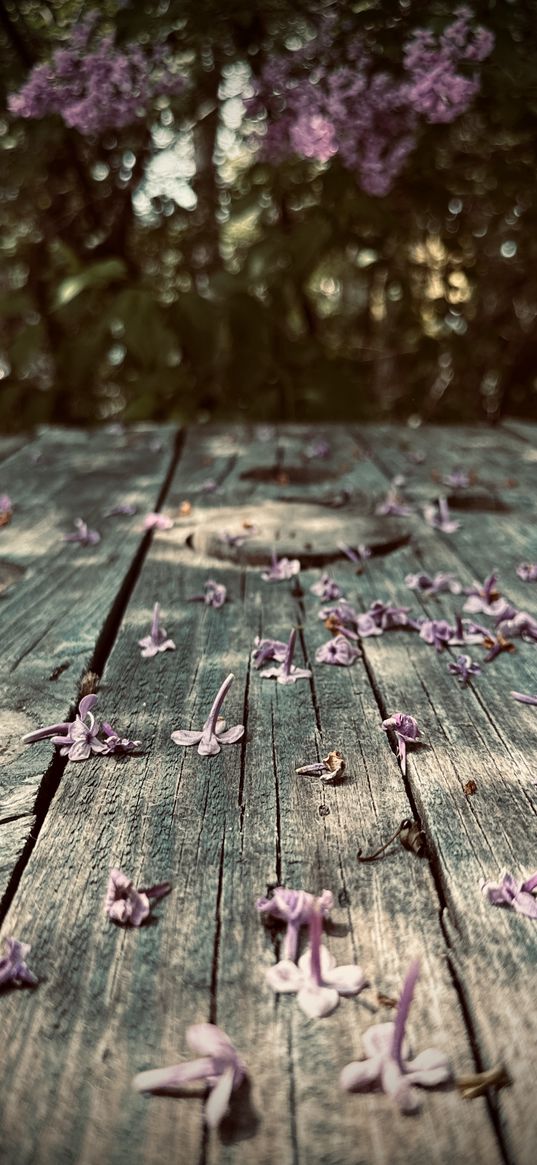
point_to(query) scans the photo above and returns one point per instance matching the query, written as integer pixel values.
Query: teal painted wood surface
(112, 1002)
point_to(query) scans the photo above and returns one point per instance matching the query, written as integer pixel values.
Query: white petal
(377, 1039)
(285, 977)
(348, 980)
(326, 959)
(430, 1068)
(218, 1102)
(360, 1075)
(316, 1002)
(184, 736)
(232, 734)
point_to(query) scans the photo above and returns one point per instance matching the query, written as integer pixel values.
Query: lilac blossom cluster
(327, 99)
(93, 85)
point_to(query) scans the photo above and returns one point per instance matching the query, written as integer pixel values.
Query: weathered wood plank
(223, 831)
(56, 610)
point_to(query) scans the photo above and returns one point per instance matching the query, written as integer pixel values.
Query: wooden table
(112, 1000)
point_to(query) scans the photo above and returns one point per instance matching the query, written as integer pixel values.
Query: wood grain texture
(56, 609)
(113, 1002)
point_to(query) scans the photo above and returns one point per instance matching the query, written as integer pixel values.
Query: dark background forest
(164, 257)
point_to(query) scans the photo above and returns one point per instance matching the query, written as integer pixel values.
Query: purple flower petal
(13, 967)
(154, 521)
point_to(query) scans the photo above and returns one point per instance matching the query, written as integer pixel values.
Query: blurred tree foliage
(165, 270)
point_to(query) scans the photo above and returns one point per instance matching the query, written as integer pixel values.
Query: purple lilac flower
(154, 521)
(248, 531)
(522, 699)
(122, 508)
(386, 1067)
(318, 449)
(326, 589)
(317, 982)
(457, 479)
(337, 651)
(438, 633)
(327, 99)
(212, 735)
(384, 617)
(520, 625)
(124, 904)
(442, 582)
(219, 1065)
(295, 908)
(464, 669)
(214, 594)
(116, 743)
(407, 732)
(281, 569)
(357, 556)
(286, 673)
(393, 505)
(437, 515)
(96, 87)
(341, 618)
(82, 737)
(527, 571)
(329, 770)
(84, 536)
(482, 595)
(157, 640)
(266, 649)
(79, 738)
(437, 90)
(13, 966)
(509, 892)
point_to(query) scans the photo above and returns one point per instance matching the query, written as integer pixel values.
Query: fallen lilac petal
(357, 556)
(386, 1065)
(212, 736)
(287, 673)
(157, 639)
(407, 732)
(84, 536)
(437, 515)
(154, 521)
(219, 1064)
(79, 738)
(509, 892)
(116, 743)
(318, 449)
(393, 506)
(438, 633)
(326, 589)
(13, 967)
(521, 625)
(463, 668)
(457, 479)
(266, 649)
(6, 509)
(522, 699)
(442, 582)
(317, 982)
(527, 571)
(281, 569)
(238, 539)
(294, 907)
(337, 651)
(482, 595)
(214, 594)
